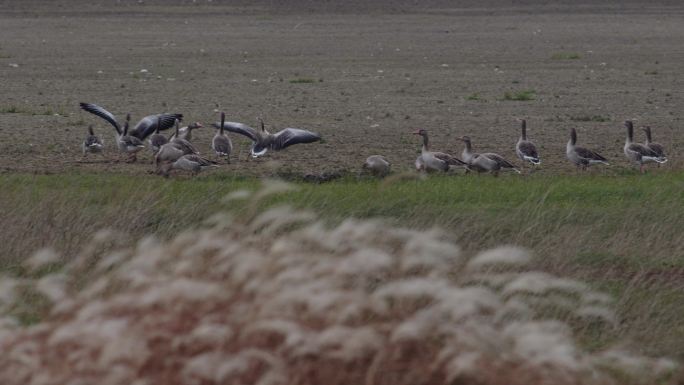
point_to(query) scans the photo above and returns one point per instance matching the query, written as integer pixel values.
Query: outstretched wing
(290, 136)
(101, 112)
(148, 125)
(238, 128)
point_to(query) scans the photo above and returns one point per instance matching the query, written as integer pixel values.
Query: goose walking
(485, 162)
(221, 143)
(525, 149)
(430, 161)
(637, 152)
(145, 127)
(655, 147)
(264, 140)
(92, 144)
(580, 156)
(377, 165)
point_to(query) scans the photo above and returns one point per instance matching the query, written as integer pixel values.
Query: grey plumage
(264, 140)
(144, 128)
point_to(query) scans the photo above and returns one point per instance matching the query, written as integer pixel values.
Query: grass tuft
(565, 56)
(524, 95)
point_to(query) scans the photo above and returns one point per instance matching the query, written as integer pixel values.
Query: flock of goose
(177, 151)
(430, 161)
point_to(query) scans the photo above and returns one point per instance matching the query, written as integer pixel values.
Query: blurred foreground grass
(621, 233)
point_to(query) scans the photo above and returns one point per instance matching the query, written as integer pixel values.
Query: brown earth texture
(364, 75)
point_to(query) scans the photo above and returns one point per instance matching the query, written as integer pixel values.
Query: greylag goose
(655, 147)
(526, 150)
(172, 151)
(145, 127)
(183, 144)
(581, 156)
(221, 143)
(487, 161)
(186, 132)
(637, 152)
(91, 144)
(191, 162)
(129, 144)
(429, 161)
(264, 140)
(157, 140)
(377, 165)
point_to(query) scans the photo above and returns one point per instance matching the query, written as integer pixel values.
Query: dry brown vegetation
(278, 297)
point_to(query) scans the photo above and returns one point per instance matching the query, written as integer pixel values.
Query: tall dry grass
(278, 297)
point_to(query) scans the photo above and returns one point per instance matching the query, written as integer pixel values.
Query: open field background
(364, 75)
(362, 78)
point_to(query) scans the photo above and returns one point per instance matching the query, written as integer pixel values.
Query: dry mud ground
(363, 74)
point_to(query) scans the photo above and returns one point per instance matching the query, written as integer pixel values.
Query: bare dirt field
(364, 75)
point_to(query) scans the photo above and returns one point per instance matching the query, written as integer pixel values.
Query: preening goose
(264, 140)
(581, 156)
(377, 165)
(637, 152)
(485, 162)
(430, 161)
(526, 150)
(92, 144)
(145, 127)
(655, 147)
(157, 140)
(221, 143)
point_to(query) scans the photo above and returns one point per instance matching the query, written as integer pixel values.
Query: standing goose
(526, 150)
(485, 162)
(157, 140)
(429, 161)
(637, 152)
(581, 156)
(129, 144)
(145, 127)
(91, 144)
(377, 165)
(655, 147)
(221, 143)
(264, 140)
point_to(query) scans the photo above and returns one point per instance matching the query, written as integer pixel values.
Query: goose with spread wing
(580, 156)
(145, 127)
(264, 140)
(429, 161)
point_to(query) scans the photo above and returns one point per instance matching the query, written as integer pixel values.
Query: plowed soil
(362, 74)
